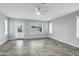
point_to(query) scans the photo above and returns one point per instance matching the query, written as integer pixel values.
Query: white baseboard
(3, 42)
(65, 42)
(28, 37)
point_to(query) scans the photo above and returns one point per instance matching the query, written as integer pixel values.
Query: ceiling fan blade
(45, 11)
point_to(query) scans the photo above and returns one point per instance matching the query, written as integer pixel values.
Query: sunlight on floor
(37, 44)
(19, 44)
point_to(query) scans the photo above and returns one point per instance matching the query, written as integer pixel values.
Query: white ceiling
(27, 10)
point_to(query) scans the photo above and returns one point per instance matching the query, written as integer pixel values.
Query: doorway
(19, 29)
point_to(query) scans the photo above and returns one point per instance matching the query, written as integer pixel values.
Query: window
(50, 27)
(6, 27)
(20, 28)
(35, 27)
(77, 27)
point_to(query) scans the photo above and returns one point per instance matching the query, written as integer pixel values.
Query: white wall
(64, 29)
(3, 38)
(27, 34)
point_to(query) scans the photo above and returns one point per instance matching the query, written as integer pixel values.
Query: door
(19, 29)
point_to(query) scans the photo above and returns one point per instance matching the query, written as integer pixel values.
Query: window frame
(6, 27)
(77, 27)
(50, 27)
(36, 32)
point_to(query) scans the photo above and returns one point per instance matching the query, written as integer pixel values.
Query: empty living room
(39, 29)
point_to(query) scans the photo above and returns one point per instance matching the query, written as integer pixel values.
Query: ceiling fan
(41, 10)
(38, 11)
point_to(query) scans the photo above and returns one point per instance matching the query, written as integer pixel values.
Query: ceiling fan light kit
(37, 11)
